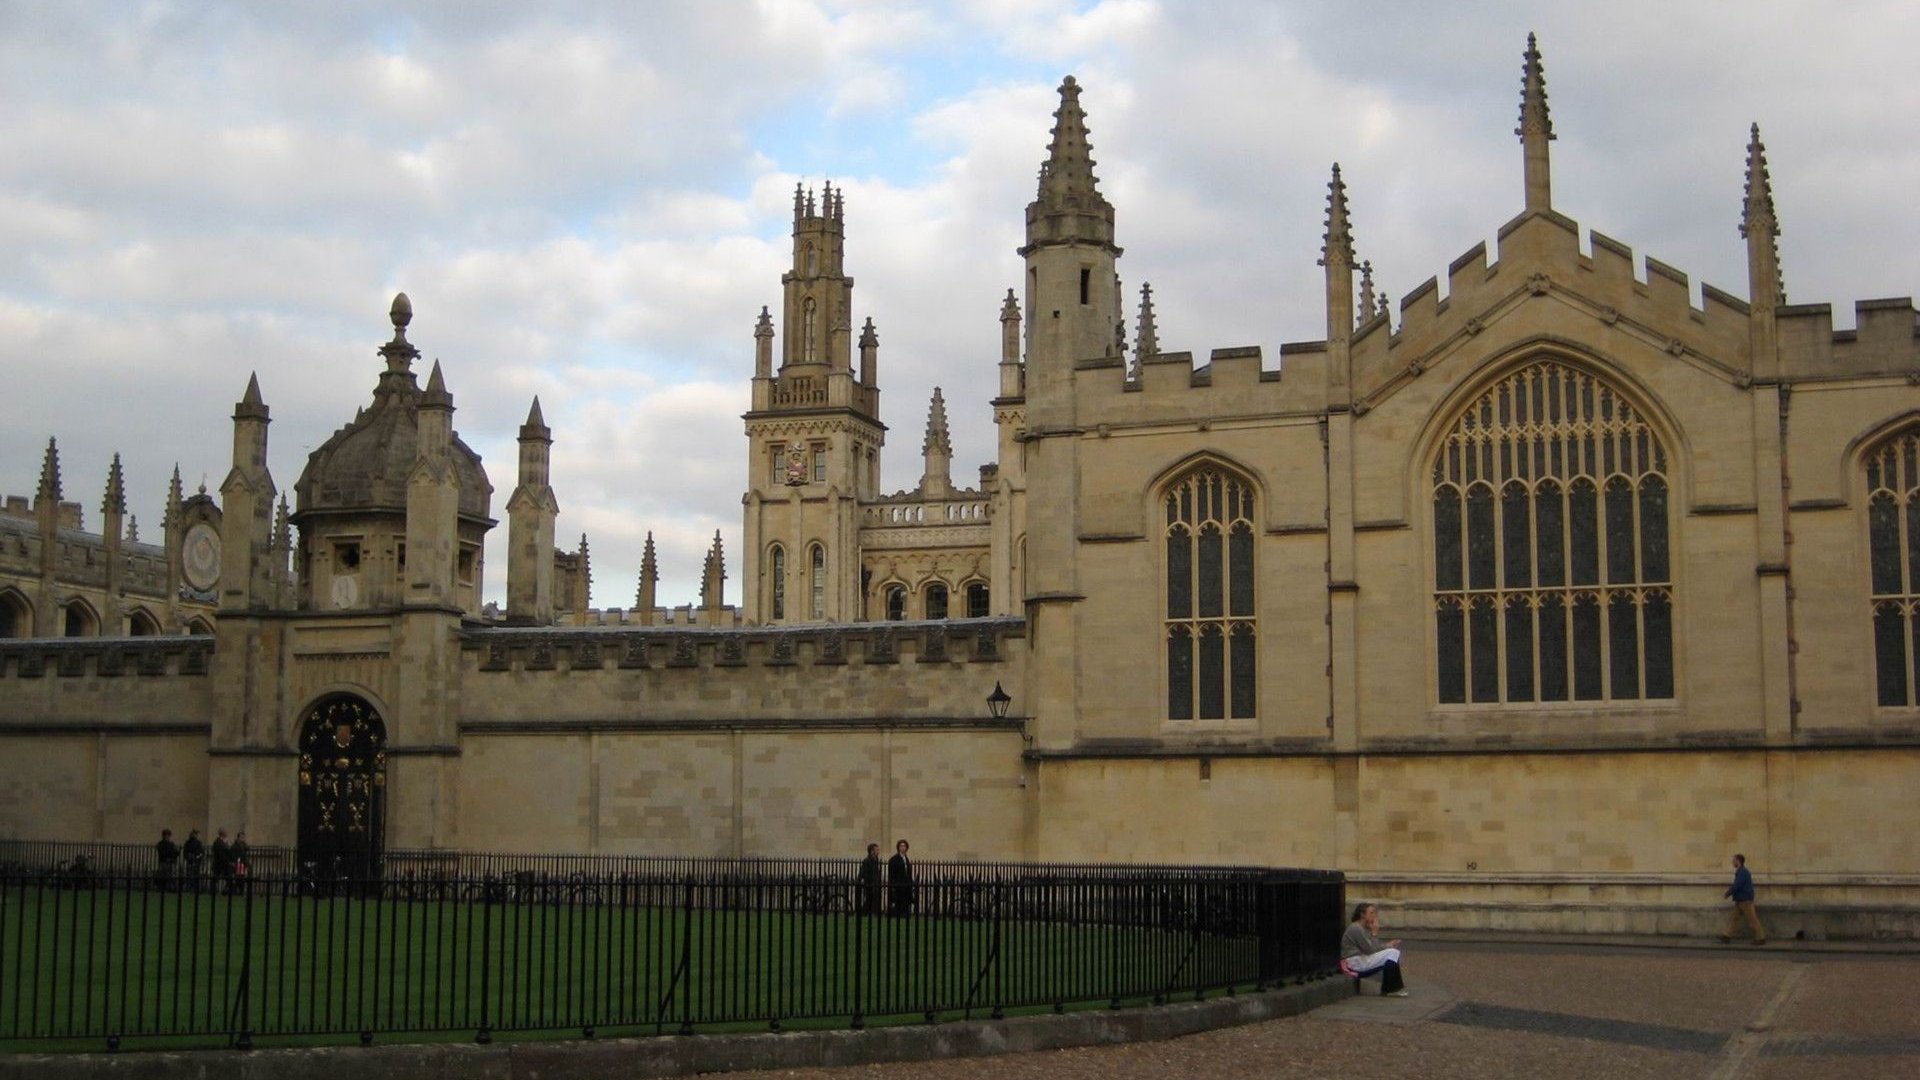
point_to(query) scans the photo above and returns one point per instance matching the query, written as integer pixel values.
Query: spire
(1068, 173)
(133, 528)
(1759, 227)
(251, 406)
(175, 496)
(536, 425)
(1366, 291)
(49, 476)
(937, 439)
(713, 577)
(1338, 241)
(643, 598)
(1146, 344)
(283, 526)
(436, 394)
(116, 499)
(1536, 128)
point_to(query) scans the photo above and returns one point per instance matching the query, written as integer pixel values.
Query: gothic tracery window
(896, 603)
(1209, 629)
(777, 571)
(1552, 569)
(978, 601)
(819, 582)
(1893, 541)
(936, 600)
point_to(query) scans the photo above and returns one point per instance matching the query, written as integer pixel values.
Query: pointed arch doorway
(343, 788)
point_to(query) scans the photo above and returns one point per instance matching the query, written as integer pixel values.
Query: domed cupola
(352, 497)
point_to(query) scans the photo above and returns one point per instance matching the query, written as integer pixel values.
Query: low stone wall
(1816, 908)
(678, 1056)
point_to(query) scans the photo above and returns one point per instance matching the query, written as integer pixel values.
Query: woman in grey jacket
(1363, 953)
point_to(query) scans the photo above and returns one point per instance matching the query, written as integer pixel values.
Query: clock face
(200, 557)
(345, 590)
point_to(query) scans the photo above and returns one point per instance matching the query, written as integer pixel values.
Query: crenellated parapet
(105, 657)
(586, 650)
(1539, 257)
(1885, 340)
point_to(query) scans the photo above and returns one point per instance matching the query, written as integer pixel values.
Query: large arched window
(896, 603)
(777, 586)
(1552, 574)
(16, 615)
(1210, 597)
(935, 596)
(819, 582)
(1893, 540)
(979, 603)
(80, 620)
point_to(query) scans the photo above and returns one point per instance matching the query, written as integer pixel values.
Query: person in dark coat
(222, 856)
(193, 853)
(870, 881)
(168, 853)
(902, 895)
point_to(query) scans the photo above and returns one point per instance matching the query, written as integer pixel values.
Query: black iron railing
(633, 945)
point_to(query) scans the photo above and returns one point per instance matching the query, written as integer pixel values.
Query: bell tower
(813, 433)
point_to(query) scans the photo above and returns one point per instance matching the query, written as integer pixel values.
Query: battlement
(81, 558)
(1233, 381)
(34, 658)
(1885, 339)
(592, 649)
(686, 615)
(1539, 255)
(19, 506)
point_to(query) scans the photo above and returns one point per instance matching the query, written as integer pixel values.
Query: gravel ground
(1841, 1017)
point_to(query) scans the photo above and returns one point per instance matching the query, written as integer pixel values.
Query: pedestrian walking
(902, 895)
(870, 881)
(1741, 893)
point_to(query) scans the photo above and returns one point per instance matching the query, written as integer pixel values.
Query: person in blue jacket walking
(1741, 893)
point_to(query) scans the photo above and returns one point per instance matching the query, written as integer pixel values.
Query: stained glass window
(1552, 575)
(1210, 630)
(1893, 542)
(777, 570)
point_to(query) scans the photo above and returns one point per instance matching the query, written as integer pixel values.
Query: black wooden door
(343, 787)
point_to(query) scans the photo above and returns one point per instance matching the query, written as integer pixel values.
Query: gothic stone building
(1526, 606)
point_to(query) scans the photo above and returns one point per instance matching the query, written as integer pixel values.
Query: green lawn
(171, 966)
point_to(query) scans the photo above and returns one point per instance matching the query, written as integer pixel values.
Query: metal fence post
(485, 1034)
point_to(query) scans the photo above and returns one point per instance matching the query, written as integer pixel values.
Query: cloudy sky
(590, 201)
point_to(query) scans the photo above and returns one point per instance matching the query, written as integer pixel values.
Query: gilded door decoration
(343, 778)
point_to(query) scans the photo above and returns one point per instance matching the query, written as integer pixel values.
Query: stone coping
(668, 1055)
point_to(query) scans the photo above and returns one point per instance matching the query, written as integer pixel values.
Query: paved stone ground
(1492, 1012)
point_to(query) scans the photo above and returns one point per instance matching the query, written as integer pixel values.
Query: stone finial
(133, 528)
(713, 577)
(763, 326)
(283, 526)
(869, 336)
(1337, 244)
(937, 439)
(1760, 227)
(176, 494)
(1366, 291)
(649, 577)
(1010, 308)
(400, 353)
(1536, 127)
(1146, 341)
(49, 489)
(436, 395)
(799, 202)
(1068, 172)
(115, 501)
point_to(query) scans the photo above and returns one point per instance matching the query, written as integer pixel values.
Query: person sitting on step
(1362, 952)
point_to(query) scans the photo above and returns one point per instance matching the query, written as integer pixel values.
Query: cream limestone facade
(1526, 605)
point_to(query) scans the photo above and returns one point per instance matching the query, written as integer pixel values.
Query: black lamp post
(998, 701)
